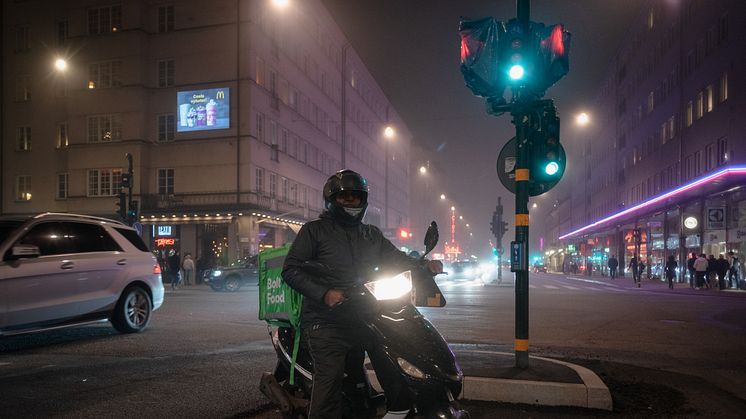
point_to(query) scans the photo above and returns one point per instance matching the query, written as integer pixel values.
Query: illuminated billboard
(206, 109)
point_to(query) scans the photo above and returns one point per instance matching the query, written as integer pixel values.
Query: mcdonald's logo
(220, 95)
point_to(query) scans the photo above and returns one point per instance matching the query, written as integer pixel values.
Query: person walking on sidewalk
(700, 267)
(613, 263)
(671, 266)
(692, 271)
(721, 268)
(174, 267)
(734, 269)
(635, 267)
(711, 271)
(188, 266)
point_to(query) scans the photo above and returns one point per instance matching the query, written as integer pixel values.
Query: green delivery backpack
(279, 305)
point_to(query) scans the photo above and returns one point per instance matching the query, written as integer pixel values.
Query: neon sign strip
(678, 191)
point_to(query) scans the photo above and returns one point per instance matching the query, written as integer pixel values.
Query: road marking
(593, 288)
(569, 287)
(551, 287)
(532, 286)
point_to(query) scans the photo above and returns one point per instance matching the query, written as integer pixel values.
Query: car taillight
(156, 269)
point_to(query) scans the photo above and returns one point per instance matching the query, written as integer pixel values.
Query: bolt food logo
(275, 292)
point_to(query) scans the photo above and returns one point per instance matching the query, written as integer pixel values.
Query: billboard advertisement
(199, 110)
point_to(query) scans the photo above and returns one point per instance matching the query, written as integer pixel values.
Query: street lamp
(423, 170)
(388, 135)
(443, 197)
(281, 4)
(582, 119)
(60, 64)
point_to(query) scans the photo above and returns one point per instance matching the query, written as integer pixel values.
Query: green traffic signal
(516, 72)
(551, 168)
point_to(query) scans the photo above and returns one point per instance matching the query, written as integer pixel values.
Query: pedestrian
(690, 268)
(641, 269)
(188, 266)
(634, 266)
(334, 331)
(711, 271)
(734, 270)
(700, 268)
(671, 266)
(613, 263)
(721, 269)
(174, 266)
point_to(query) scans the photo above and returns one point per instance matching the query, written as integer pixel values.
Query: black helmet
(346, 180)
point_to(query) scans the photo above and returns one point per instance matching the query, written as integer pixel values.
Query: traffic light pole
(521, 119)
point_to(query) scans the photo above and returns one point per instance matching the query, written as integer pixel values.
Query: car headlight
(391, 288)
(216, 274)
(410, 369)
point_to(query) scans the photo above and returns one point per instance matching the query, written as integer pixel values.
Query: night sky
(412, 49)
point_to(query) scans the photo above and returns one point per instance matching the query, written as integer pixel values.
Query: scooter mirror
(431, 237)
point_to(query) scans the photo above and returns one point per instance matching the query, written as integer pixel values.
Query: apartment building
(231, 113)
(663, 167)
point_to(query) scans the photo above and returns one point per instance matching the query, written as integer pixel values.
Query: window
(651, 18)
(689, 113)
(133, 238)
(724, 87)
(22, 39)
(285, 187)
(723, 28)
(671, 127)
(104, 19)
(165, 181)
(23, 188)
(259, 127)
(166, 127)
(709, 157)
(651, 101)
(104, 182)
(62, 186)
(88, 238)
(104, 75)
(699, 110)
(284, 143)
(50, 238)
(294, 193)
(165, 18)
(62, 32)
(722, 151)
(272, 133)
(709, 102)
(259, 178)
(698, 162)
(22, 88)
(272, 185)
(165, 73)
(103, 128)
(62, 135)
(259, 76)
(23, 136)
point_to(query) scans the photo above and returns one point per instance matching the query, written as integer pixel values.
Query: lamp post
(388, 135)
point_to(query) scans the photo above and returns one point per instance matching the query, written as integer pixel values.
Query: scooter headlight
(391, 288)
(410, 369)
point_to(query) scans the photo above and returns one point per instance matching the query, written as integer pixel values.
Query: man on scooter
(331, 325)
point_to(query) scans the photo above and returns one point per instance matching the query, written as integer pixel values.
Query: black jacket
(352, 252)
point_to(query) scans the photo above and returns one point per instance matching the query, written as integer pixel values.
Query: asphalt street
(663, 353)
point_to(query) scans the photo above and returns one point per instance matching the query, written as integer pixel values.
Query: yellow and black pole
(519, 248)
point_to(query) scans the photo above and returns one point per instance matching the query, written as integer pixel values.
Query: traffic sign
(506, 170)
(138, 227)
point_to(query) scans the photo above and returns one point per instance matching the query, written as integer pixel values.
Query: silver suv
(62, 270)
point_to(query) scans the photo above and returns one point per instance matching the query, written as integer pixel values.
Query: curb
(592, 394)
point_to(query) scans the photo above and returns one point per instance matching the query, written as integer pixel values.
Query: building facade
(662, 171)
(232, 116)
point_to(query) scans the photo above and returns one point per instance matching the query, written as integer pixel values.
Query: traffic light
(122, 206)
(132, 212)
(548, 160)
(516, 53)
(480, 50)
(126, 180)
(553, 55)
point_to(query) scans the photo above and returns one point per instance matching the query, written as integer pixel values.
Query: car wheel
(133, 310)
(232, 283)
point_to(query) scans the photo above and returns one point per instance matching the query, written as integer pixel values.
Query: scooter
(426, 366)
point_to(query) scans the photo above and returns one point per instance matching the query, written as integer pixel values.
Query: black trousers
(339, 349)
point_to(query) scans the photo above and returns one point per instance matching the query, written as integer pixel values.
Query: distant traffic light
(132, 212)
(548, 161)
(121, 204)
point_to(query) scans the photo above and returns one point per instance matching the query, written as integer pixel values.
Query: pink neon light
(680, 190)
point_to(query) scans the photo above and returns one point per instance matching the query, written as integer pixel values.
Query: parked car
(61, 270)
(539, 267)
(232, 278)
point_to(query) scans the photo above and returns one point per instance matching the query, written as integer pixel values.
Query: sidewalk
(648, 284)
